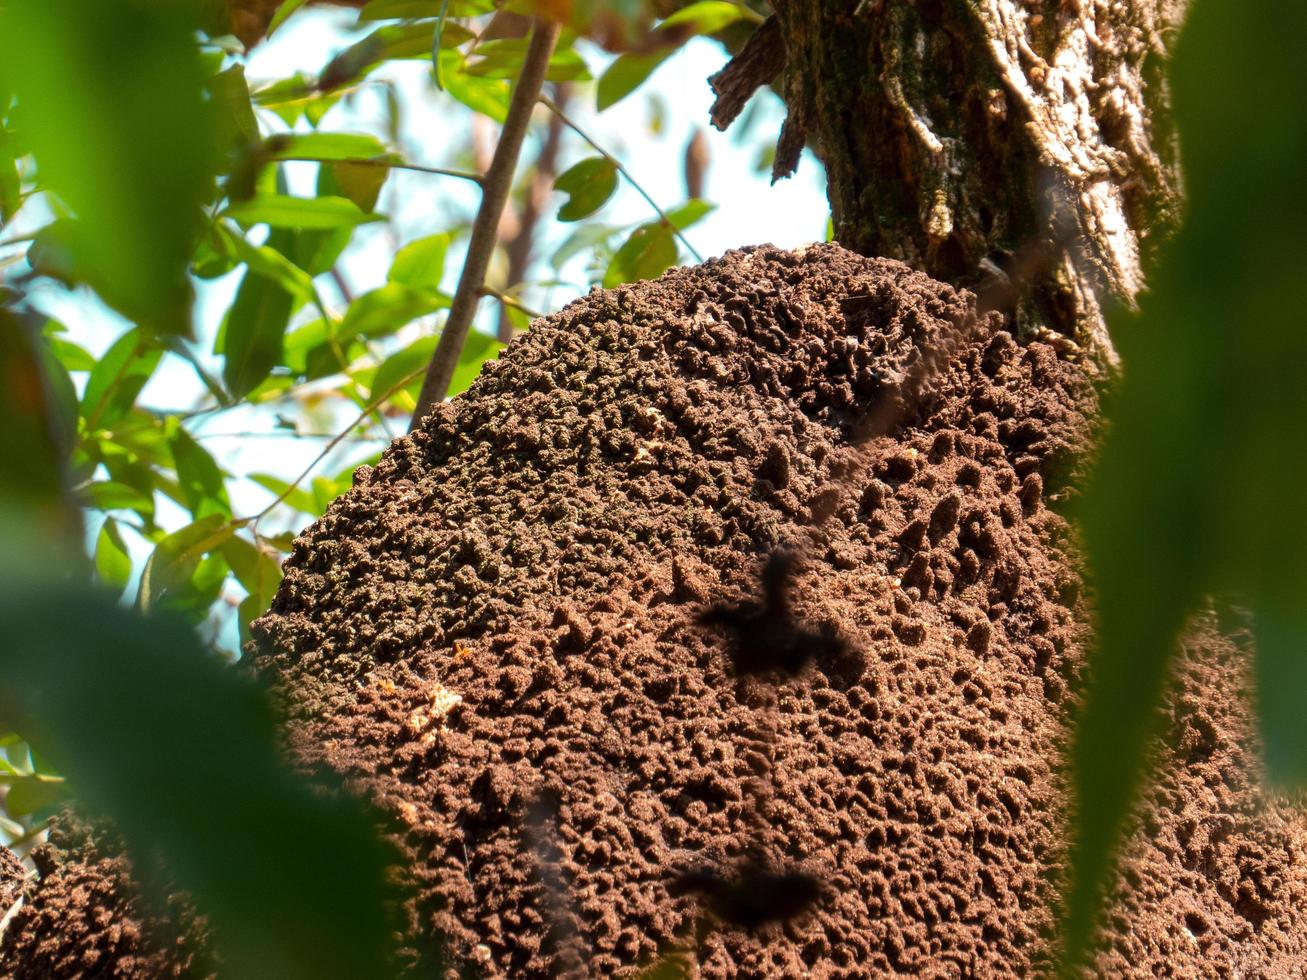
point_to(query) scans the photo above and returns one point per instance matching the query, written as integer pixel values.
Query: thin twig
(494, 193)
(520, 247)
(389, 164)
(513, 301)
(553, 107)
(330, 447)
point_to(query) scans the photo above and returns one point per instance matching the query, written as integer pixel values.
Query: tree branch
(494, 193)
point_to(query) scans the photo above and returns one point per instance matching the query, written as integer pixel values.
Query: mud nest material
(516, 635)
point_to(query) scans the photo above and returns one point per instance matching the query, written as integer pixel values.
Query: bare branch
(494, 193)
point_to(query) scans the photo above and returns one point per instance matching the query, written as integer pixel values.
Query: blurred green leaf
(317, 251)
(503, 58)
(200, 477)
(10, 184)
(647, 254)
(259, 573)
(253, 333)
(629, 71)
(326, 146)
(1198, 487)
(29, 796)
(72, 356)
(113, 563)
(125, 79)
(283, 211)
(404, 366)
(181, 752)
(112, 495)
(704, 17)
(292, 97)
(477, 349)
(411, 40)
(360, 182)
(176, 557)
(421, 263)
(412, 9)
(301, 500)
(231, 96)
(689, 213)
(590, 184)
(287, 8)
(384, 310)
(118, 378)
(268, 262)
(488, 96)
(586, 236)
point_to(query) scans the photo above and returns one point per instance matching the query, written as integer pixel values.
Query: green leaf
(301, 500)
(404, 368)
(287, 8)
(199, 476)
(114, 495)
(590, 184)
(384, 310)
(589, 235)
(503, 57)
(488, 96)
(421, 263)
(630, 70)
(411, 40)
(231, 95)
(317, 252)
(689, 213)
(259, 573)
(1281, 664)
(292, 97)
(11, 186)
(704, 17)
(1197, 488)
(118, 378)
(34, 795)
(648, 253)
(477, 349)
(113, 563)
(177, 556)
(360, 182)
(325, 146)
(253, 333)
(268, 262)
(110, 99)
(72, 356)
(414, 9)
(627, 73)
(181, 752)
(283, 211)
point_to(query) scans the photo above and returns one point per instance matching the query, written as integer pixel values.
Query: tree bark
(1015, 146)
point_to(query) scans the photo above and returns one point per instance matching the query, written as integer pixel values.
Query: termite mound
(503, 636)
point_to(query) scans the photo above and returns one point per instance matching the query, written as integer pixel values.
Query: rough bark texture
(989, 139)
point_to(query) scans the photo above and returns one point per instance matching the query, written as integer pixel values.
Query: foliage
(138, 164)
(1198, 490)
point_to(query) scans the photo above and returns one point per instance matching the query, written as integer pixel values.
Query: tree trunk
(1014, 147)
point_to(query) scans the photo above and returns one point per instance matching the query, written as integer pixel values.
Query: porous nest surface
(500, 635)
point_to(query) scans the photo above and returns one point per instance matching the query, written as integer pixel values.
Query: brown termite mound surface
(520, 635)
